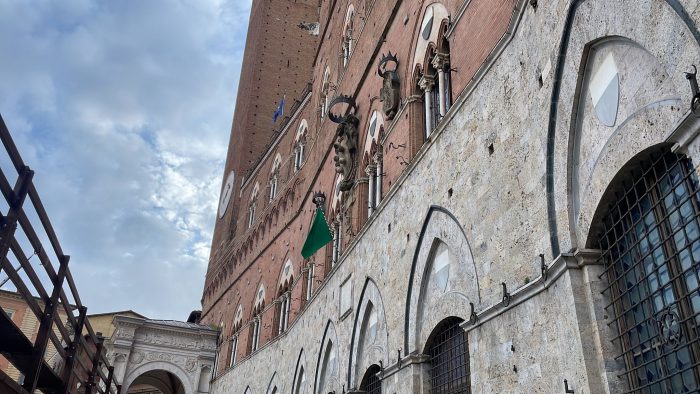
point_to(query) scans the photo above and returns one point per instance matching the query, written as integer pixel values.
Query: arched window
(433, 56)
(251, 206)
(371, 384)
(649, 237)
(325, 92)
(299, 143)
(347, 44)
(284, 294)
(274, 176)
(449, 358)
(256, 325)
(237, 323)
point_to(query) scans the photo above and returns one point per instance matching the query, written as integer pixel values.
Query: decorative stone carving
(389, 95)
(137, 357)
(345, 143)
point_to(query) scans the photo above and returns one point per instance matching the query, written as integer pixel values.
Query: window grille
(371, 384)
(449, 359)
(650, 245)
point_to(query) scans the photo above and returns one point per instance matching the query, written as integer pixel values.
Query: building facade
(511, 186)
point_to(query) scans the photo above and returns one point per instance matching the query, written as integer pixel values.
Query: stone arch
(369, 334)
(162, 366)
(434, 295)
(606, 135)
(432, 18)
(272, 387)
(376, 121)
(300, 374)
(675, 49)
(286, 276)
(327, 379)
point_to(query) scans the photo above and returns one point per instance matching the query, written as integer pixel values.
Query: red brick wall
(257, 255)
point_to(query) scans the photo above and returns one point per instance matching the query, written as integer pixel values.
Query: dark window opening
(449, 358)
(371, 384)
(650, 243)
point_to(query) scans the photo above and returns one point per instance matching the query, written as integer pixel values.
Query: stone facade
(547, 104)
(141, 348)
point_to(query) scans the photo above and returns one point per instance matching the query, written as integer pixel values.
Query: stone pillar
(440, 62)
(378, 186)
(371, 175)
(426, 83)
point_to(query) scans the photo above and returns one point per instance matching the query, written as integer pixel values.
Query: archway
(156, 381)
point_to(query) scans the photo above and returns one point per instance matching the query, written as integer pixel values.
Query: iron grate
(371, 384)
(650, 243)
(449, 359)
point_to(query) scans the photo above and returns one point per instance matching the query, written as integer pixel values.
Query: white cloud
(123, 109)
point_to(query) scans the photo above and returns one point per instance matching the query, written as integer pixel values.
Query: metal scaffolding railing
(79, 364)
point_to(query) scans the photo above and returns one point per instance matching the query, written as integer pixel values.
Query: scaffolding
(80, 364)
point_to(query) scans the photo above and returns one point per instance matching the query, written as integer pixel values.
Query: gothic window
(234, 348)
(433, 58)
(649, 238)
(284, 311)
(299, 143)
(251, 207)
(256, 326)
(325, 92)
(449, 358)
(371, 384)
(237, 322)
(347, 44)
(274, 176)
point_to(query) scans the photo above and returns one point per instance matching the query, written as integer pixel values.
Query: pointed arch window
(299, 145)
(325, 92)
(649, 238)
(347, 44)
(252, 205)
(274, 176)
(237, 323)
(256, 326)
(449, 358)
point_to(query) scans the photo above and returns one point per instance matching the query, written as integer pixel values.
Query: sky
(123, 109)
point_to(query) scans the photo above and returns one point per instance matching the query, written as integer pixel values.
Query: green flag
(319, 235)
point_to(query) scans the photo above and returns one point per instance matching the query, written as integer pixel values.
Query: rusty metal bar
(42, 338)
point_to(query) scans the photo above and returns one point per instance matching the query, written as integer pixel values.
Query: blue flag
(279, 112)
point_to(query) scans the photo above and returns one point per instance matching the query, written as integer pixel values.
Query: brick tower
(278, 62)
